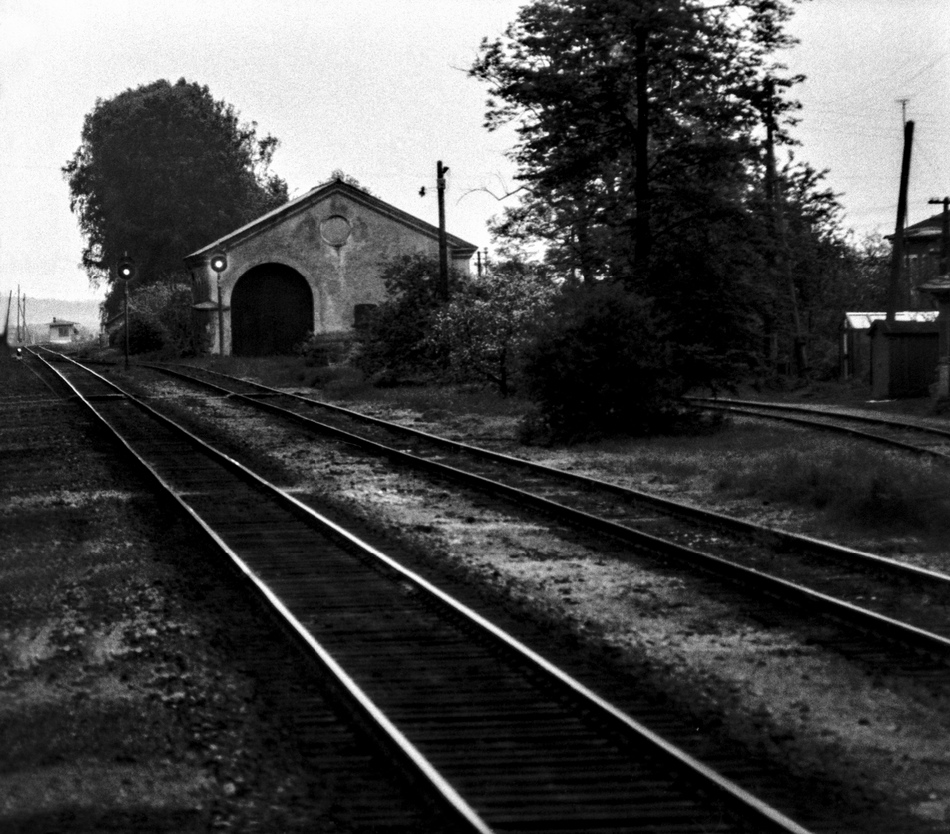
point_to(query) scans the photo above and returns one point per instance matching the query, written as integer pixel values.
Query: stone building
(311, 266)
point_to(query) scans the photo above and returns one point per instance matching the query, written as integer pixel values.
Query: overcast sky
(378, 89)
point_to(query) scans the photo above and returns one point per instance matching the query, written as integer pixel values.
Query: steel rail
(831, 411)
(747, 806)
(816, 546)
(394, 736)
(761, 410)
(782, 588)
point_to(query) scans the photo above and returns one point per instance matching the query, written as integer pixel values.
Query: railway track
(904, 605)
(501, 737)
(918, 436)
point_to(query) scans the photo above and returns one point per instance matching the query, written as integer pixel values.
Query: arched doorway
(271, 311)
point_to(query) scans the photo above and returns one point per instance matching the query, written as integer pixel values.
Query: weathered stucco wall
(336, 243)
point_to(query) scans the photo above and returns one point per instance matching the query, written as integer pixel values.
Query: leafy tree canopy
(636, 118)
(162, 170)
(489, 321)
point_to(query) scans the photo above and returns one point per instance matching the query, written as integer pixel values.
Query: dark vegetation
(162, 170)
(680, 253)
(854, 492)
(161, 322)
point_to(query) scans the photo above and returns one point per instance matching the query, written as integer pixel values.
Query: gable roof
(320, 192)
(934, 222)
(929, 228)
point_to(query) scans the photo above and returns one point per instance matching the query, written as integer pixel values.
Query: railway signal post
(126, 272)
(219, 263)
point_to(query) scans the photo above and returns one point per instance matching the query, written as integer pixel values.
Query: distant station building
(921, 244)
(908, 356)
(62, 332)
(311, 266)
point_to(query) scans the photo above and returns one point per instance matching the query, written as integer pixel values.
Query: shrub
(161, 321)
(600, 367)
(489, 320)
(394, 342)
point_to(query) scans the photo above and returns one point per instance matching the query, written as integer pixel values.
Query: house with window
(62, 332)
(921, 248)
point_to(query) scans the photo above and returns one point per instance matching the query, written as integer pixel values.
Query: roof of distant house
(863, 321)
(929, 228)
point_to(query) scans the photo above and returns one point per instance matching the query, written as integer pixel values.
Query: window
(363, 315)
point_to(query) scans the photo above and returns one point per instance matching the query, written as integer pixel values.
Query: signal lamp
(219, 262)
(126, 268)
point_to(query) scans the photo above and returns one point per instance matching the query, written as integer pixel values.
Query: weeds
(851, 486)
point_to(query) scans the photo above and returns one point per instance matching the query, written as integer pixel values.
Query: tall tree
(162, 170)
(635, 117)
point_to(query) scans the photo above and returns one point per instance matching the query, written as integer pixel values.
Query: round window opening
(335, 230)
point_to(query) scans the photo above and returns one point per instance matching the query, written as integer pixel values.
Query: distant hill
(41, 311)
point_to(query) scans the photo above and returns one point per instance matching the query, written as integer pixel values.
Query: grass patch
(850, 486)
(445, 400)
(674, 458)
(344, 382)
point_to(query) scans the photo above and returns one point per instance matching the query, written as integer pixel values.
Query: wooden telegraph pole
(440, 173)
(897, 255)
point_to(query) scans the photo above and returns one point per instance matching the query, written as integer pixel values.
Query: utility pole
(903, 103)
(440, 173)
(898, 251)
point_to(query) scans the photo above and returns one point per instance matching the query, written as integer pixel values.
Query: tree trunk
(641, 187)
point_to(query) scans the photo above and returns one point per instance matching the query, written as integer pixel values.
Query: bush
(161, 321)
(489, 320)
(324, 349)
(600, 367)
(394, 342)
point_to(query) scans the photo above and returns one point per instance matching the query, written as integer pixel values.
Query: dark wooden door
(271, 311)
(913, 364)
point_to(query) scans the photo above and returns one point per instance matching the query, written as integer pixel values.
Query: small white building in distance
(62, 332)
